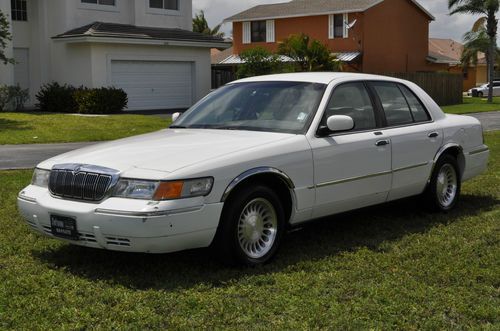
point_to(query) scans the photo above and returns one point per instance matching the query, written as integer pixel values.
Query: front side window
(397, 111)
(286, 107)
(164, 4)
(100, 2)
(19, 10)
(352, 100)
(258, 31)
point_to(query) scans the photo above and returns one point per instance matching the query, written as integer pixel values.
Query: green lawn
(473, 105)
(388, 267)
(32, 128)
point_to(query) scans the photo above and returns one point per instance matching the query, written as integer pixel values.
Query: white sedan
(254, 158)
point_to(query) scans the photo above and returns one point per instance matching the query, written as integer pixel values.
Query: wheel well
(274, 182)
(457, 153)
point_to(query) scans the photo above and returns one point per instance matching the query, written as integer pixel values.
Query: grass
(473, 105)
(387, 267)
(32, 128)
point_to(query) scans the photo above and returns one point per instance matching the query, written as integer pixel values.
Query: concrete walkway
(28, 156)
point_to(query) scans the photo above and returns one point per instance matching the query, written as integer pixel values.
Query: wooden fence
(444, 88)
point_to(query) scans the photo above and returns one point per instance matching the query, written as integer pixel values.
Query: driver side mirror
(337, 123)
(175, 116)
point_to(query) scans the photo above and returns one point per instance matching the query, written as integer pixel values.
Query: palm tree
(488, 9)
(200, 25)
(476, 41)
(309, 54)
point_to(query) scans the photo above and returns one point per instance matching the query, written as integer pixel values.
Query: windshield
(259, 106)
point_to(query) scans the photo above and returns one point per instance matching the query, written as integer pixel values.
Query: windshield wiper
(177, 127)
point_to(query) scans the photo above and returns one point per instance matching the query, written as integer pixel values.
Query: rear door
(414, 137)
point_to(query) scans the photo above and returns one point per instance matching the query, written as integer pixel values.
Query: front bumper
(124, 224)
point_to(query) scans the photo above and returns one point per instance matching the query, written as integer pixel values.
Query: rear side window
(397, 111)
(417, 108)
(352, 100)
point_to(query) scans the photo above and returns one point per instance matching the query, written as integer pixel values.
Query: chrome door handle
(381, 143)
(433, 135)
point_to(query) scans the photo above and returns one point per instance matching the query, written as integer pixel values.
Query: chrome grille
(76, 183)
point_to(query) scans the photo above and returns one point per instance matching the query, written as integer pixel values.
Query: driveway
(28, 156)
(490, 120)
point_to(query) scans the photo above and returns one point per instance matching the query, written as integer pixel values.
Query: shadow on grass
(6, 124)
(366, 228)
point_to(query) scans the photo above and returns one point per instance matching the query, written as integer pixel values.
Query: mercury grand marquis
(253, 158)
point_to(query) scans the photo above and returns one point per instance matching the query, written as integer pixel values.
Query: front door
(351, 169)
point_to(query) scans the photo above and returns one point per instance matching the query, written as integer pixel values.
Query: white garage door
(154, 84)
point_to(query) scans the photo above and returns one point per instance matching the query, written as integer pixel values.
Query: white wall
(7, 71)
(85, 64)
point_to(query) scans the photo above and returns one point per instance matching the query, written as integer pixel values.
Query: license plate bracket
(64, 227)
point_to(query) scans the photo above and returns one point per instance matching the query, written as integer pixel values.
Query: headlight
(135, 189)
(40, 177)
(171, 190)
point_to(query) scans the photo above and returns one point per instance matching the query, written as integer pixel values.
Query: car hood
(166, 150)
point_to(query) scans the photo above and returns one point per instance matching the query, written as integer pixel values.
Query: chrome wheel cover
(257, 228)
(446, 185)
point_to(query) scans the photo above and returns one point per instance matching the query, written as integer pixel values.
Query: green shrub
(12, 97)
(56, 98)
(105, 100)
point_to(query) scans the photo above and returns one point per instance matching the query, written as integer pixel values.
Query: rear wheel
(252, 226)
(480, 94)
(444, 188)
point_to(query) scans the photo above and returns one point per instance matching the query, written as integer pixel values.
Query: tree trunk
(491, 69)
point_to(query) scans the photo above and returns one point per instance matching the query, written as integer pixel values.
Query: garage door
(154, 84)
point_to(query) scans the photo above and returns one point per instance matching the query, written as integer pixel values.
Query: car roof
(314, 77)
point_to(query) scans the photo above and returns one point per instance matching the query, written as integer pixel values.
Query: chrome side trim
(257, 171)
(479, 151)
(411, 167)
(352, 179)
(146, 213)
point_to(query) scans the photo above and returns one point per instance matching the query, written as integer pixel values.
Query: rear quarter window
(417, 108)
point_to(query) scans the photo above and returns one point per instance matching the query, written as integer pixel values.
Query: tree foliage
(258, 61)
(309, 54)
(487, 9)
(200, 25)
(476, 41)
(5, 36)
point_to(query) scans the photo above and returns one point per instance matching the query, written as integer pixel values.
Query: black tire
(435, 200)
(227, 240)
(480, 94)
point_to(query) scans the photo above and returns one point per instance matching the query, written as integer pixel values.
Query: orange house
(372, 36)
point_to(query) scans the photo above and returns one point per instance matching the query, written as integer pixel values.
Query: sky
(445, 26)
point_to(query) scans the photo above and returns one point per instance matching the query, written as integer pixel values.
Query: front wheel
(252, 226)
(480, 94)
(444, 188)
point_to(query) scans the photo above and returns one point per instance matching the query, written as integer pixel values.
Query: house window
(259, 31)
(100, 2)
(337, 26)
(19, 10)
(164, 4)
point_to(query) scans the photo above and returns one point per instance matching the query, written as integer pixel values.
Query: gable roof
(298, 8)
(448, 51)
(126, 31)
